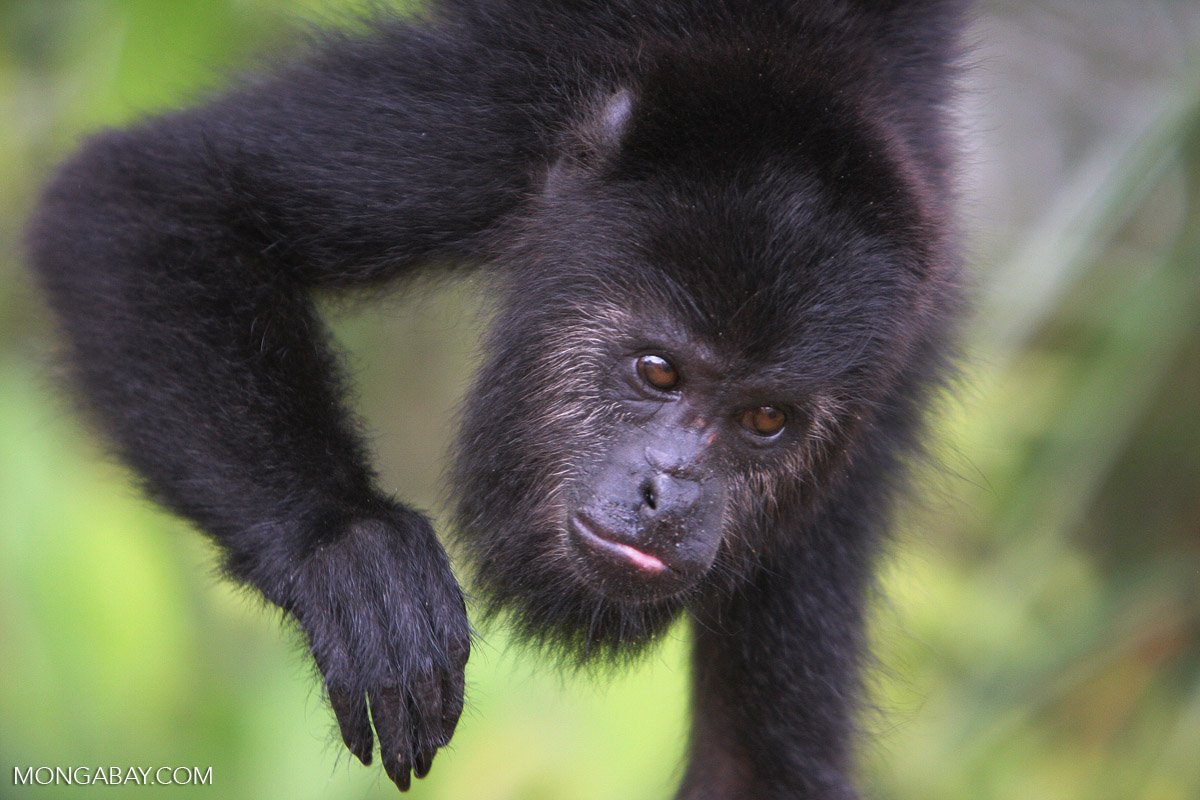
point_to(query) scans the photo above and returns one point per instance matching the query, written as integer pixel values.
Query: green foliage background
(1039, 628)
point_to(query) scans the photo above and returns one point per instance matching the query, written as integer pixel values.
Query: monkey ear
(599, 134)
(594, 141)
(614, 120)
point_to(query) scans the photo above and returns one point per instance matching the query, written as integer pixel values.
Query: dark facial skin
(649, 521)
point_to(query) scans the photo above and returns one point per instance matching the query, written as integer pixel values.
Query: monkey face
(675, 373)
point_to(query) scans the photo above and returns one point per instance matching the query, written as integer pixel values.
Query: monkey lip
(598, 539)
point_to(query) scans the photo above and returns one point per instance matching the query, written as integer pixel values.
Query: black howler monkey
(718, 234)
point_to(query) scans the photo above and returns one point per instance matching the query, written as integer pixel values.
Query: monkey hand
(387, 625)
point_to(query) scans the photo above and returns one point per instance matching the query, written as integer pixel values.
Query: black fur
(759, 188)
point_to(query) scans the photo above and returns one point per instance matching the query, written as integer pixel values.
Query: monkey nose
(664, 495)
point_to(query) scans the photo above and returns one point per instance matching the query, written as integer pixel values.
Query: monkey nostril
(649, 497)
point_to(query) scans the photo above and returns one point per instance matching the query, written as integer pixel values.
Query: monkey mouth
(601, 542)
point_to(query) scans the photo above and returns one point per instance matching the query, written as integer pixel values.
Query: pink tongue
(644, 561)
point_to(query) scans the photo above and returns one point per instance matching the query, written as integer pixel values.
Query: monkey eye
(658, 372)
(764, 420)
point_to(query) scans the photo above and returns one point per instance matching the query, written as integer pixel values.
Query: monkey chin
(619, 571)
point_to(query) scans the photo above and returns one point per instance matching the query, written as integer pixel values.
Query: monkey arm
(775, 668)
(180, 256)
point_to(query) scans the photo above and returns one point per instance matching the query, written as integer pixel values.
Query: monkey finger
(423, 763)
(425, 705)
(452, 705)
(350, 709)
(389, 712)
